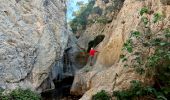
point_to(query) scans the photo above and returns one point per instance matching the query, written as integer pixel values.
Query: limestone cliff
(108, 72)
(102, 14)
(33, 36)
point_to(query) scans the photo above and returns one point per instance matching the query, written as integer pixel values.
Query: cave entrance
(63, 84)
(61, 91)
(98, 39)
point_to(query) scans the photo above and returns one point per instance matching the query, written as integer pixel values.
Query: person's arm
(97, 51)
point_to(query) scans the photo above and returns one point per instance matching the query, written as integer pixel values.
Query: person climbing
(92, 53)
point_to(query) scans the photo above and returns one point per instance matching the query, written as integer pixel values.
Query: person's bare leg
(91, 60)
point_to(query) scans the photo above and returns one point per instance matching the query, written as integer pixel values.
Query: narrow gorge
(44, 55)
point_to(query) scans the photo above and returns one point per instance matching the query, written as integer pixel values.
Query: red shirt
(92, 52)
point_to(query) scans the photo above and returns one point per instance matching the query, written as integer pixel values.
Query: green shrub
(20, 94)
(102, 95)
(110, 8)
(2, 96)
(81, 17)
(128, 46)
(144, 10)
(157, 17)
(103, 20)
(136, 33)
(137, 91)
(145, 20)
(97, 10)
(90, 21)
(152, 59)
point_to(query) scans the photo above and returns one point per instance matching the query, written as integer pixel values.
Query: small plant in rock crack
(157, 17)
(103, 20)
(144, 10)
(128, 46)
(135, 34)
(145, 20)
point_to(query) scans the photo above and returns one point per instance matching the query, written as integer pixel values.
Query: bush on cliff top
(81, 17)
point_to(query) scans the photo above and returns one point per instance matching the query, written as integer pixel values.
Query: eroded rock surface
(109, 72)
(33, 36)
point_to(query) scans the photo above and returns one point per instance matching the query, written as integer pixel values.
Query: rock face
(108, 72)
(106, 9)
(33, 37)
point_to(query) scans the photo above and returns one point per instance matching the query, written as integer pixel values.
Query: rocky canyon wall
(109, 72)
(33, 36)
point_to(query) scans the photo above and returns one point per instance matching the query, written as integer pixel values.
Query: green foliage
(136, 33)
(97, 10)
(136, 91)
(90, 21)
(80, 3)
(20, 94)
(140, 70)
(113, 7)
(144, 10)
(157, 17)
(102, 95)
(167, 32)
(80, 21)
(128, 46)
(153, 60)
(145, 20)
(123, 60)
(103, 20)
(110, 8)
(2, 96)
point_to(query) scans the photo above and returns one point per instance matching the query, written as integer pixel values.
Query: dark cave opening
(98, 39)
(62, 82)
(61, 91)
